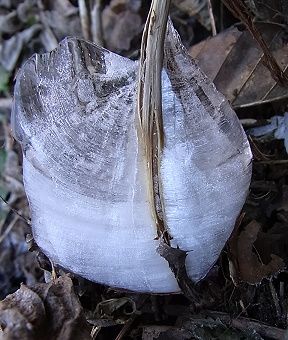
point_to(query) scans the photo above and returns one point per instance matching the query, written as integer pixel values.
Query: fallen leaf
(272, 10)
(165, 333)
(63, 18)
(43, 311)
(245, 263)
(121, 24)
(274, 241)
(212, 53)
(152, 332)
(176, 259)
(197, 8)
(26, 11)
(16, 263)
(233, 60)
(11, 49)
(108, 307)
(9, 22)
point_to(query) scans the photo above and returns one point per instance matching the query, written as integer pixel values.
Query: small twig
(274, 162)
(245, 324)
(212, 19)
(15, 211)
(9, 141)
(260, 102)
(130, 321)
(252, 71)
(273, 86)
(84, 19)
(125, 328)
(95, 331)
(275, 300)
(248, 122)
(2, 223)
(257, 153)
(268, 22)
(53, 271)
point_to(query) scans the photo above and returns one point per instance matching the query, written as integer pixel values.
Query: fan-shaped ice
(84, 172)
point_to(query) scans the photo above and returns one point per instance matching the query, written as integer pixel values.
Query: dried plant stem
(151, 135)
(85, 19)
(240, 10)
(18, 213)
(150, 101)
(212, 19)
(245, 324)
(91, 20)
(96, 23)
(126, 328)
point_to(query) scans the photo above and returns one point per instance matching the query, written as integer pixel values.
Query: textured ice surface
(84, 172)
(206, 161)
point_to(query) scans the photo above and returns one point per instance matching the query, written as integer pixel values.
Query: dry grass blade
(150, 99)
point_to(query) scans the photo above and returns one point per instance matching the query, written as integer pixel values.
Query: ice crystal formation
(74, 116)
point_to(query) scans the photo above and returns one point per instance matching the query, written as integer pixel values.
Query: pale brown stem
(85, 19)
(212, 20)
(96, 23)
(150, 128)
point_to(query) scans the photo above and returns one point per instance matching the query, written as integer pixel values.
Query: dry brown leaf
(272, 10)
(115, 307)
(245, 262)
(43, 311)
(11, 49)
(153, 332)
(63, 18)
(197, 8)
(16, 263)
(165, 332)
(121, 24)
(233, 60)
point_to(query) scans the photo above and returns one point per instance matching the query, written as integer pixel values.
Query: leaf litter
(56, 312)
(247, 286)
(234, 62)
